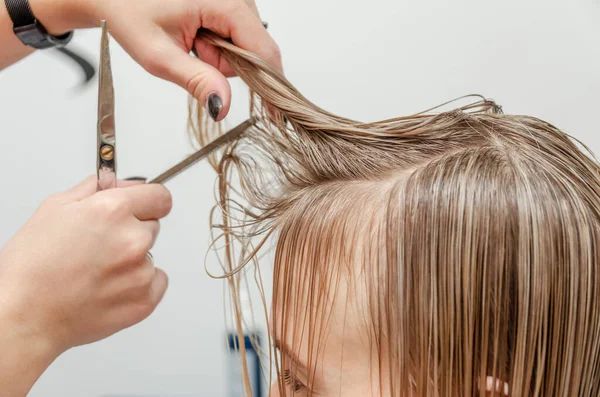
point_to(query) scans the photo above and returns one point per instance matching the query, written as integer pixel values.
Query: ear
(498, 385)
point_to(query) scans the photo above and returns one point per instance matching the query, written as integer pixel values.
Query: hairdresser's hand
(160, 34)
(77, 272)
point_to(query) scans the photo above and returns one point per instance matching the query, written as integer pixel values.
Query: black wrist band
(29, 30)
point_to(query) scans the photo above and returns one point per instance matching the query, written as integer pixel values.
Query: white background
(366, 60)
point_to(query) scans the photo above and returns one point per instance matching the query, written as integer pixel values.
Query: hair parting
(463, 242)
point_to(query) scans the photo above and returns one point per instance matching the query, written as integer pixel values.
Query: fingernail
(214, 105)
(136, 178)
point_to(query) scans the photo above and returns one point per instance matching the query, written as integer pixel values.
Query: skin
(159, 36)
(51, 301)
(347, 362)
(342, 367)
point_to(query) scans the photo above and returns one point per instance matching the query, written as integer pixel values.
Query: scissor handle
(107, 176)
(106, 179)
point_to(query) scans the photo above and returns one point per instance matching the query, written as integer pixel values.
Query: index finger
(149, 201)
(246, 30)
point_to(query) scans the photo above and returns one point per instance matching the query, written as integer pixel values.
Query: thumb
(89, 187)
(83, 190)
(201, 80)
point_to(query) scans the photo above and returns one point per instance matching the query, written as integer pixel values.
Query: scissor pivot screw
(107, 152)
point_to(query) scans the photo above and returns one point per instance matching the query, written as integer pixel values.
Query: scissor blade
(106, 93)
(106, 155)
(229, 136)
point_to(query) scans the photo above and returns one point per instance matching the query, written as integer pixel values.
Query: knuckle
(90, 180)
(154, 231)
(146, 238)
(272, 53)
(113, 205)
(136, 246)
(196, 84)
(143, 276)
(141, 310)
(52, 201)
(230, 8)
(165, 201)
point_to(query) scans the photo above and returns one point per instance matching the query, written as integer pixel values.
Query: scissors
(107, 149)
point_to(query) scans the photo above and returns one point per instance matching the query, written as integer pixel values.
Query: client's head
(448, 254)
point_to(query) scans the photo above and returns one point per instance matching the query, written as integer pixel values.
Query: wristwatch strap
(29, 30)
(20, 12)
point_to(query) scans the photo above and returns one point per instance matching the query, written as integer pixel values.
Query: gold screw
(107, 152)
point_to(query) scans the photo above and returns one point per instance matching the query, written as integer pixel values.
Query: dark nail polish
(136, 178)
(214, 105)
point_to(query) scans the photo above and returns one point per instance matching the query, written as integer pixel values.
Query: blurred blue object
(234, 377)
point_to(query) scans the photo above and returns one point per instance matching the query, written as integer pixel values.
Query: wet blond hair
(475, 235)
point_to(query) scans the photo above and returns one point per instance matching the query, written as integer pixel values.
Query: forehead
(326, 242)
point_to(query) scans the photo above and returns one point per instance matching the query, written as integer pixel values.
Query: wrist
(62, 16)
(25, 355)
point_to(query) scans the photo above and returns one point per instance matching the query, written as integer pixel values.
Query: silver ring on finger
(150, 257)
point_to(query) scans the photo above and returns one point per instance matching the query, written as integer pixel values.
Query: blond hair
(473, 235)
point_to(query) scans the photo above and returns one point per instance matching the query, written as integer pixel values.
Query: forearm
(11, 48)
(57, 16)
(24, 356)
